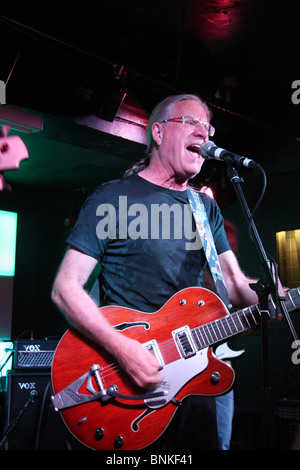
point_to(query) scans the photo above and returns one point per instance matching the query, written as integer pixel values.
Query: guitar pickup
(153, 347)
(184, 341)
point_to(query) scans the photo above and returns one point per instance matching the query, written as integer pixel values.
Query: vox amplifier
(31, 422)
(34, 354)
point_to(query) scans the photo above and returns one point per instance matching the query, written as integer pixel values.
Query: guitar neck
(235, 323)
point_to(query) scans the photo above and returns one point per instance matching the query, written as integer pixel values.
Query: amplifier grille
(35, 359)
(34, 354)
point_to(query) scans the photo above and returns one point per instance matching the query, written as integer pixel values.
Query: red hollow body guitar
(102, 407)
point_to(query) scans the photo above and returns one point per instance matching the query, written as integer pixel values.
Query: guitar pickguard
(176, 375)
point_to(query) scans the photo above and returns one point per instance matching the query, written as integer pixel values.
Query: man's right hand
(139, 363)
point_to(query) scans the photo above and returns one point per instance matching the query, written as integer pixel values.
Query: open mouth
(195, 148)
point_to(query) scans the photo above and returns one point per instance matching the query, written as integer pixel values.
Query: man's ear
(157, 132)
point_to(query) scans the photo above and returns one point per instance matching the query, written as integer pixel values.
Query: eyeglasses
(194, 122)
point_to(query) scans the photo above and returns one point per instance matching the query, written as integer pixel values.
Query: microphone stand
(263, 289)
(12, 425)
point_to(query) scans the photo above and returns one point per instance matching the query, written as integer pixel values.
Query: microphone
(209, 151)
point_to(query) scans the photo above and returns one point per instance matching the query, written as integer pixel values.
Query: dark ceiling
(72, 64)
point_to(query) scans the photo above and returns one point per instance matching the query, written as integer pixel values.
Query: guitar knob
(99, 433)
(118, 442)
(215, 378)
(83, 419)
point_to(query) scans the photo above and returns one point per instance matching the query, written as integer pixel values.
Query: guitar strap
(206, 238)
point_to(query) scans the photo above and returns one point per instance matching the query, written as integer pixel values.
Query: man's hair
(163, 110)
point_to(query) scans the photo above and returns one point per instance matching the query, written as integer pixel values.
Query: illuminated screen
(8, 236)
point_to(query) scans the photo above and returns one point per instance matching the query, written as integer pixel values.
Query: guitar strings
(246, 318)
(167, 348)
(203, 335)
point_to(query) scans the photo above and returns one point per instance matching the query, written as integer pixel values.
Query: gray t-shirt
(144, 237)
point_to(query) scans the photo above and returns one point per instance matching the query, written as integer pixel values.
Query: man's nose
(201, 131)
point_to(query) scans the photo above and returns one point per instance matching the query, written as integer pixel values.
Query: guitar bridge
(184, 342)
(70, 395)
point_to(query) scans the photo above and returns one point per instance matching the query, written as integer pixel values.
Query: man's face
(179, 143)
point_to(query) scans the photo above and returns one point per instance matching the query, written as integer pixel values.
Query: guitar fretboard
(238, 322)
(226, 327)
